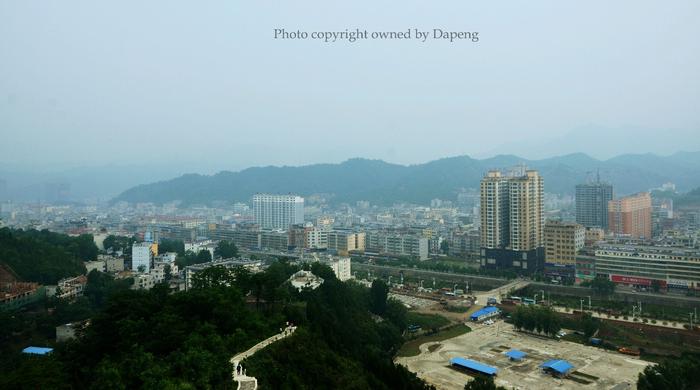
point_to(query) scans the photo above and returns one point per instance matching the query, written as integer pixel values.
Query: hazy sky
(170, 81)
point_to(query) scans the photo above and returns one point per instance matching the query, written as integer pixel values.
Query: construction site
(590, 367)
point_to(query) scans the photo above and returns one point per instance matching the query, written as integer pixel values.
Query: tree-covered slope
(43, 256)
(385, 183)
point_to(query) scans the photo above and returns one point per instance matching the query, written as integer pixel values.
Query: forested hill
(384, 183)
(43, 256)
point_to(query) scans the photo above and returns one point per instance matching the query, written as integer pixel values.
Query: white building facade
(141, 256)
(278, 211)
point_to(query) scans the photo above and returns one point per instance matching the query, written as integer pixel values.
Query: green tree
(217, 276)
(322, 270)
(482, 383)
(204, 256)
(603, 286)
(675, 373)
(445, 247)
(378, 296)
(589, 324)
(226, 249)
(167, 245)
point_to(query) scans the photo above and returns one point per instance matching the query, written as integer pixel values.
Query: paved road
(482, 297)
(429, 272)
(584, 291)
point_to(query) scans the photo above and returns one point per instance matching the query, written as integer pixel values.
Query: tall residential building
(278, 211)
(592, 204)
(494, 210)
(562, 240)
(512, 220)
(631, 215)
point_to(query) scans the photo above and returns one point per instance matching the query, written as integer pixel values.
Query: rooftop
(557, 365)
(515, 354)
(37, 350)
(473, 365)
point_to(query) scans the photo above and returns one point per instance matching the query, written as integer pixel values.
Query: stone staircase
(244, 381)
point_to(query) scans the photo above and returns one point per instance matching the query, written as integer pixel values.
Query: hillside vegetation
(383, 183)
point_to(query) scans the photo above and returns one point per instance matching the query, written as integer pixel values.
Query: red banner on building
(632, 280)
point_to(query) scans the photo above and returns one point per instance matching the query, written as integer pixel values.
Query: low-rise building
(649, 266)
(145, 281)
(341, 266)
(397, 244)
(71, 288)
(562, 240)
(97, 265)
(345, 241)
(112, 264)
(18, 294)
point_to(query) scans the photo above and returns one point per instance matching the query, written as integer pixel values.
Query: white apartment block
(278, 211)
(141, 256)
(317, 238)
(340, 266)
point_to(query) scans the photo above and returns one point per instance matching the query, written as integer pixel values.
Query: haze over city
(206, 87)
(451, 195)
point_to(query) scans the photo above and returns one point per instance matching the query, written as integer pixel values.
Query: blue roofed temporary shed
(473, 366)
(487, 312)
(37, 350)
(515, 354)
(557, 366)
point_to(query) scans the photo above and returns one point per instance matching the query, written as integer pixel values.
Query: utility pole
(589, 302)
(581, 305)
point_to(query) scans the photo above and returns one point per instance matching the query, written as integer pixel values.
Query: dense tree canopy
(43, 256)
(191, 258)
(167, 245)
(681, 373)
(114, 243)
(482, 383)
(534, 318)
(157, 339)
(226, 249)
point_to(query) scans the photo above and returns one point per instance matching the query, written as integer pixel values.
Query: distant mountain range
(384, 183)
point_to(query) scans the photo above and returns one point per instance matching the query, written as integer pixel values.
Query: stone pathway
(246, 382)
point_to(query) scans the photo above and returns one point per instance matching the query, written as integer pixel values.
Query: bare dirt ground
(594, 368)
